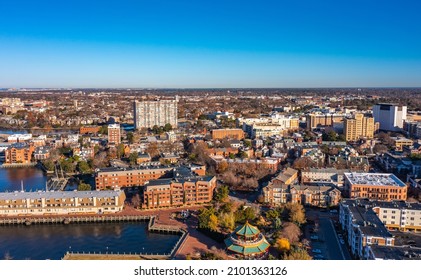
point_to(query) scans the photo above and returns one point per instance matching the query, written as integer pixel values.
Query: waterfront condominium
(159, 112)
(61, 203)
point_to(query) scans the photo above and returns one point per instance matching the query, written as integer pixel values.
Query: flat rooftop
(368, 222)
(396, 204)
(327, 170)
(140, 168)
(396, 253)
(374, 179)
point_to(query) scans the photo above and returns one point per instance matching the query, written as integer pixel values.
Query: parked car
(342, 241)
(318, 257)
(314, 237)
(316, 251)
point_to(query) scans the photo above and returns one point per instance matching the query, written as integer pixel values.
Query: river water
(52, 241)
(32, 178)
(40, 242)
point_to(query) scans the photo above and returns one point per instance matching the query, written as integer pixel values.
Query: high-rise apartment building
(150, 113)
(114, 136)
(359, 126)
(390, 116)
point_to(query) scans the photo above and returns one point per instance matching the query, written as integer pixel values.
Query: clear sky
(200, 43)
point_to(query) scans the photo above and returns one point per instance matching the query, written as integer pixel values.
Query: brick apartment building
(19, 153)
(379, 186)
(114, 134)
(178, 191)
(91, 129)
(115, 178)
(227, 133)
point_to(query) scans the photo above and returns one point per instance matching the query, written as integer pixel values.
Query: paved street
(327, 240)
(331, 242)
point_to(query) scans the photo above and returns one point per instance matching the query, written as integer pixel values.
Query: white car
(316, 251)
(314, 237)
(342, 241)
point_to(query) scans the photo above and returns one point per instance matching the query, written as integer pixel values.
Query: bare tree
(291, 232)
(136, 201)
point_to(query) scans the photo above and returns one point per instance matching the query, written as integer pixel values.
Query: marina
(54, 241)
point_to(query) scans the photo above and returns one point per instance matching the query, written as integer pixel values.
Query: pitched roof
(247, 230)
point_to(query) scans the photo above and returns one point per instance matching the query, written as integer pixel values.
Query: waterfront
(33, 179)
(47, 241)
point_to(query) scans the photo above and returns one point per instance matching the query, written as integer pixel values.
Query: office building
(390, 116)
(147, 114)
(400, 142)
(359, 126)
(114, 134)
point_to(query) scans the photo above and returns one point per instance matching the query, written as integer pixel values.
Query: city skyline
(138, 44)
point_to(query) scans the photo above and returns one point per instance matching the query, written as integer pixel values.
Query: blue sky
(159, 43)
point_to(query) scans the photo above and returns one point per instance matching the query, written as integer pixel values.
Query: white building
(275, 124)
(150, 113)
(19, 137)
(389, 116)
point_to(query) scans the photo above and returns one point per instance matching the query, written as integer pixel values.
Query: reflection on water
(52, 241)
(33, 179)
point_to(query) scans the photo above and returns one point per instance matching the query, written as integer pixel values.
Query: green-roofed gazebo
(247, 242)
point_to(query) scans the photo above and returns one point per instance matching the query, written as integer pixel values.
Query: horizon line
(204, 88)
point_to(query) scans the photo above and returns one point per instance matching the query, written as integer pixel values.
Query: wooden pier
(72, 219)
(57, 184)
